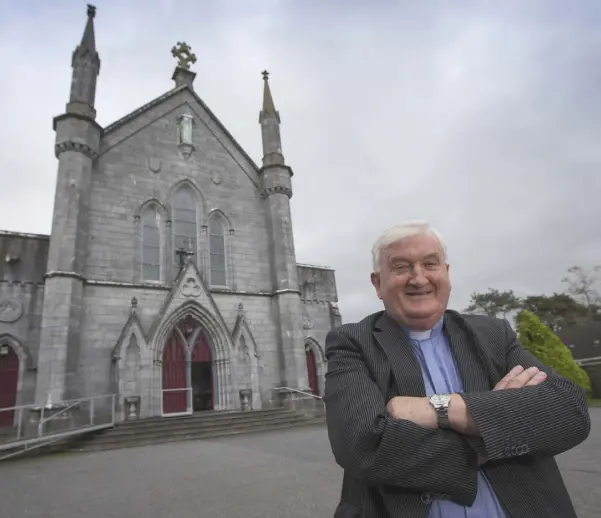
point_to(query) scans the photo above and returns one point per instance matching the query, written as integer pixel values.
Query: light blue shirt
(441, 377)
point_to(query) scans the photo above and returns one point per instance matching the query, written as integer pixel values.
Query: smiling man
(433, 414)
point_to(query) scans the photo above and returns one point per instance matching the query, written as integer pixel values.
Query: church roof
(167, 95)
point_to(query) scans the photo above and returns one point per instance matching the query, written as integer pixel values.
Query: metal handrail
(297, 391)
(35, 440)
(44, 420)
(72, 403)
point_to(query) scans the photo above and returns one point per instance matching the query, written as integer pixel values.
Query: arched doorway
(9, 382)
(187, 370)
(312, 370)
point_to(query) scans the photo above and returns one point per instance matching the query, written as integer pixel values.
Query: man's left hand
(420, 411)
(415, 409)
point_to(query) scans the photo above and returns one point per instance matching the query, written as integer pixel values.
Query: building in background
(584, 341)
(170, 274)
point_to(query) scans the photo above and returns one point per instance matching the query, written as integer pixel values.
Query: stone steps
(134, 442)
(198, 426)
(202, 425)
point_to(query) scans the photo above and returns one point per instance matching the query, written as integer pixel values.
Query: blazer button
(426, 498)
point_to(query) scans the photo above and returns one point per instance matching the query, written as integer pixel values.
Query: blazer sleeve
(372, 446)
(546, 419)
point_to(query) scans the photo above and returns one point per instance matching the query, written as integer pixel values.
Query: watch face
(439, 400)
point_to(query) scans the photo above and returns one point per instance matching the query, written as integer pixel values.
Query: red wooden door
(9, 379)
(312, 371)
(174, 376)
(202, 374)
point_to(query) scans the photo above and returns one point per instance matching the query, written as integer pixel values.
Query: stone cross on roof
(185, 252)
(183, 52)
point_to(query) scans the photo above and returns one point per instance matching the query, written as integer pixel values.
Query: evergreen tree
(550, 350)
(493, 303)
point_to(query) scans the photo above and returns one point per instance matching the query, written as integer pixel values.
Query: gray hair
(401, 231)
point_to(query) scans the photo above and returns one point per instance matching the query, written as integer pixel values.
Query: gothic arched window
(151, 245)
(217, 250)
(184, 220)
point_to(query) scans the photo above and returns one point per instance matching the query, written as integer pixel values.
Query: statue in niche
(185, 130)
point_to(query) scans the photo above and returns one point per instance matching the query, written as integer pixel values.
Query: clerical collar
(425, 335)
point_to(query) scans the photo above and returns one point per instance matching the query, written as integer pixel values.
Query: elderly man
(433, 414)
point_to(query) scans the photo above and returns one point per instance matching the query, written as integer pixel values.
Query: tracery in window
(184, 220)
(217, 250)
(151, 245)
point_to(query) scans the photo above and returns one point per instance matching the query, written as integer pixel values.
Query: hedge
(543, 343)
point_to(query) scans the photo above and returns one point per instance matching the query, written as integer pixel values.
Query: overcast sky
(483, 117)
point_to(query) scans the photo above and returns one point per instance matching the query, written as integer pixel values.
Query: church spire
(268, 105)
(269, 118)
(86, 66)
(88, 41)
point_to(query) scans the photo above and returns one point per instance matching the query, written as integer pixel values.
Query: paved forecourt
(283, 474)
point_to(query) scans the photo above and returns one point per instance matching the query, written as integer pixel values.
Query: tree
(555, 311)
(549, 349)
(581, 285)
(493, 303)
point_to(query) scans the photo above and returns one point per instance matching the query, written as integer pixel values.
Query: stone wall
(141, 161)
(317, 283)
(320, 311)
(22, 267)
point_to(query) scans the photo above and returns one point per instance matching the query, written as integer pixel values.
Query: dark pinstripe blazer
(394, 468)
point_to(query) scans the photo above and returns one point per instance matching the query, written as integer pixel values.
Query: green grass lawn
(594, 402)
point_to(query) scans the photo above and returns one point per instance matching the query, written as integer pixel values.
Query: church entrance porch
(188, 380)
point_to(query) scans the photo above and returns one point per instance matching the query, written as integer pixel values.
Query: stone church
(170, 274)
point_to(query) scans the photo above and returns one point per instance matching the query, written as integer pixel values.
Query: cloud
(483, 117)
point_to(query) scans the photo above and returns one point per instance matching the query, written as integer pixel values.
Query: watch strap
(442, 414)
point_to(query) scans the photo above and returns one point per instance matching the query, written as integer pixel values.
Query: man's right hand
(518, 378)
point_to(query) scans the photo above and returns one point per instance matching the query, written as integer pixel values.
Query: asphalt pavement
(283, 474)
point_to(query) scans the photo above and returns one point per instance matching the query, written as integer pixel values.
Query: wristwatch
(440, 403)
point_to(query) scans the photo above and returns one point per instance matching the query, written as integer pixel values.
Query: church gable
(176, 127)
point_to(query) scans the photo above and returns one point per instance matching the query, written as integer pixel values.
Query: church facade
(170, 275)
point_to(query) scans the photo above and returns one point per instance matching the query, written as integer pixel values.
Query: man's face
(413, 281)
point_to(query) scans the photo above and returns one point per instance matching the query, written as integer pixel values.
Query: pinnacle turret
(86, 66)
(269, 118)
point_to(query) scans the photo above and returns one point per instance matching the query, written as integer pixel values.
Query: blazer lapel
(473, 365)
(399, 351)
